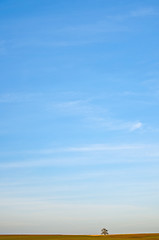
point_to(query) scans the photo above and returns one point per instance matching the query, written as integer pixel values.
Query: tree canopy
(104, 231)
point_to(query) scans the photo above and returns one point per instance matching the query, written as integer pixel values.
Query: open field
(154, 236)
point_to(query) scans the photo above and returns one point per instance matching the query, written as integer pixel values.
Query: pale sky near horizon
(79, 122)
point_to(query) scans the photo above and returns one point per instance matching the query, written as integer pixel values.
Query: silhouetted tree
(104, 231)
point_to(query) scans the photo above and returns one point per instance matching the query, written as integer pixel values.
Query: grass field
(154, 236)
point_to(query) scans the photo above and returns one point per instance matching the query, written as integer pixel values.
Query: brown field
(152, 236)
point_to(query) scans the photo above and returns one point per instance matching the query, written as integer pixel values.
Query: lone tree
(104, 231)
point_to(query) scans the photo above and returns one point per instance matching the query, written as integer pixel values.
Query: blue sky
(79, 125)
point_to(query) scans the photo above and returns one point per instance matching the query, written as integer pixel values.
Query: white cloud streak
(103, 147)
(19, 97)
(136, 126)
(143, 12)
(92, 114)
(88, 148)
(95, 115)
(94, 154)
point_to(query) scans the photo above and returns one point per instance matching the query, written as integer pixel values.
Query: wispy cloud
(96, 27)
(18, 97)
(74, 107)
(82, 34)
(94, 115)
(87, 148)
(136, 126)
(115, 151)
(60, 43)
(110, 124)
(103, 147)
(143, 12)
(136, 13)
(111, 24)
